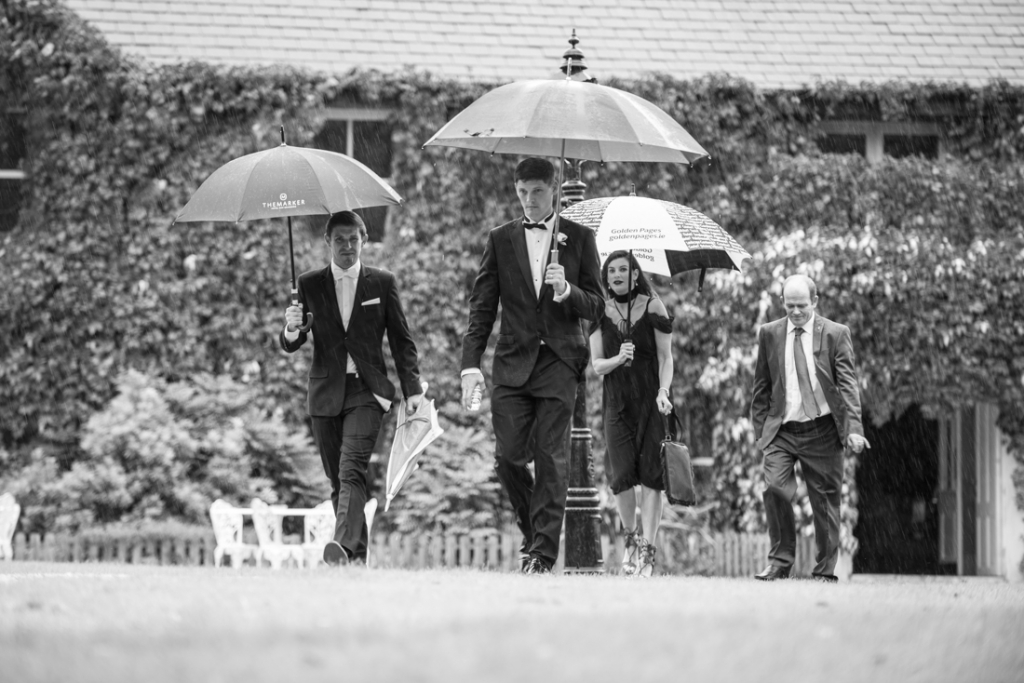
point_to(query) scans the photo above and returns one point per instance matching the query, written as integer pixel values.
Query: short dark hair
(642, 285)
(345, 218)
(534, 168)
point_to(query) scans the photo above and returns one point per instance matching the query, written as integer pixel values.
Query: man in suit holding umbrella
(353, 305)
(541, 352)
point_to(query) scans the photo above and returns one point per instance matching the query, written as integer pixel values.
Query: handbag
(677, 472)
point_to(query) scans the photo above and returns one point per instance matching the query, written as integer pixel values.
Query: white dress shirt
(345, 287)
(538, 244)
(794, 403)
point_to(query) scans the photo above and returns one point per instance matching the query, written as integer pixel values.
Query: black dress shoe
(334, 554)
(825, 578)
(773, 573)
(536, 566)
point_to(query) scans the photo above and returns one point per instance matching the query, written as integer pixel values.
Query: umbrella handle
(309, 316)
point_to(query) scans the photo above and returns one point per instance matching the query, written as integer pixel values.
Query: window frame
(874, 133)
(350, 115)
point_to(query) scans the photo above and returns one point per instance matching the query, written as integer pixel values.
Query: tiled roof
(773, 43)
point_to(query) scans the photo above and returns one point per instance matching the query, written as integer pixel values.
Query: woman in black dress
(631, 348)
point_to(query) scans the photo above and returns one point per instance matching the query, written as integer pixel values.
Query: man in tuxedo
(805, 407)
(349, 390)
(540, 355)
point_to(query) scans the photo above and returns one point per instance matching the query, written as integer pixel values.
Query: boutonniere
(562, 238)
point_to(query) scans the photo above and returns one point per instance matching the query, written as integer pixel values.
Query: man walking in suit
(806, 406)
(540, 355)
(349, 390)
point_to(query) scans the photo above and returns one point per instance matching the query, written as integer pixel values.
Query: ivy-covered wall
(923, 259)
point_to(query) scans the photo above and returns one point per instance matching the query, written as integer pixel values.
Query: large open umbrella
(284, 182)
(570, 120)
(666, 238)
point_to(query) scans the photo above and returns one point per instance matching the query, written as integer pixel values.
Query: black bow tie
(539, 226)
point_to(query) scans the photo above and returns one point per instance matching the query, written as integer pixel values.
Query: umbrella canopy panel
(596, 123)
(286, 181)
(666, 238)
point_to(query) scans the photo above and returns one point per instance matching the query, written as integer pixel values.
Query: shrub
(164, 451)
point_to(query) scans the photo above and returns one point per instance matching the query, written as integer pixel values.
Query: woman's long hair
(642, 286)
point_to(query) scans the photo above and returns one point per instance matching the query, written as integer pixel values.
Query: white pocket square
(371, 302)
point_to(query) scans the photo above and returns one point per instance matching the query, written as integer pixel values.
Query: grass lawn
(112, 623)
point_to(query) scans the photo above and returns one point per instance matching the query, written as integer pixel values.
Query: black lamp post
(582, 506)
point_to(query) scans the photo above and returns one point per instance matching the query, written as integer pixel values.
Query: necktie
(803, 376)
(348, 284)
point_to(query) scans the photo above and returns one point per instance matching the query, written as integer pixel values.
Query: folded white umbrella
(412, 435)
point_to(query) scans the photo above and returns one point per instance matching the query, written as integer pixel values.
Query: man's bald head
(803, 283)
(799, 296)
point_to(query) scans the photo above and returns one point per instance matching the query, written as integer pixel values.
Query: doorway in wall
(898, 508)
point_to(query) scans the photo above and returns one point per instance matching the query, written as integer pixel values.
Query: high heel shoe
(630, 550)
(647, 559)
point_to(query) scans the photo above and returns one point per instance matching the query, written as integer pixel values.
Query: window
(899, 146)
(842, 144)
(365, 135)
(12, 151)
(875, 139)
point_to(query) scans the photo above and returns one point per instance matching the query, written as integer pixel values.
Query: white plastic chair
(317, 531)
(9, 512)
(227, 529)
(268, 532)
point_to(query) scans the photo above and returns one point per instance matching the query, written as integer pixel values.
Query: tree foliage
(921, 259)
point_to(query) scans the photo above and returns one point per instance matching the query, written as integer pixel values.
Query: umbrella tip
(632, 190)
(282, 134)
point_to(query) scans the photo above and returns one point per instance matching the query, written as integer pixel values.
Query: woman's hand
(625, 353)
(664, 405)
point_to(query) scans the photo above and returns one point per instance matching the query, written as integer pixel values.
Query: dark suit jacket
(833, 364)
(376, 309)
(527, 318)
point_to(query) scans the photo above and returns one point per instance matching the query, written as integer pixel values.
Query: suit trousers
(532, 423)
(346, 444)
(819, 450)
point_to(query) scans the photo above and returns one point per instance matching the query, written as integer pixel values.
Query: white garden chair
(318, 530)
(268, 532)
(227, 529)
(9, 512)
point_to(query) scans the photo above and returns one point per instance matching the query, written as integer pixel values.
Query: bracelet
(665, 389)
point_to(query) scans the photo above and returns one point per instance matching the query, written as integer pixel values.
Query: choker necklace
(623, 298)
